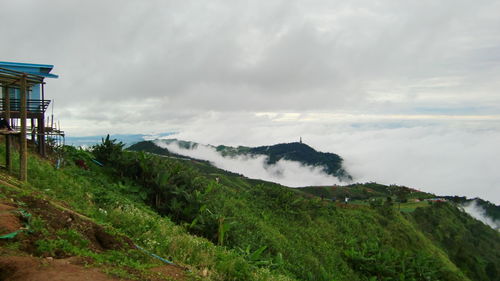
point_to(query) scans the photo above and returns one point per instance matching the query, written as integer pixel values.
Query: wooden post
(41, 136)
(23, 144)
(33, 131)
(41, 127)
(8, 138)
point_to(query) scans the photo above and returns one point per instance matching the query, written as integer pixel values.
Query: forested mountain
(330, 163)
(297, 151)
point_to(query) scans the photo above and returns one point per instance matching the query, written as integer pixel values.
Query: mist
(285, 172)
(443, 156)
(478, 212)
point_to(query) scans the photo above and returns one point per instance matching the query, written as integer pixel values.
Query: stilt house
(23, 99)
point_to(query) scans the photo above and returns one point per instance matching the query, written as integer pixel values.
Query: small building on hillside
(35, 96)
(23, 99)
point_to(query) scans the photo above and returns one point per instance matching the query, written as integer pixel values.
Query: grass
(96, 196)
(412, 206)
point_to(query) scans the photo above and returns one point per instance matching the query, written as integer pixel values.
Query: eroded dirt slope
(27, 264)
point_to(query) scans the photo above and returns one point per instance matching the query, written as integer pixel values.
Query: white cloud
(254, 56)
(478, 212)
(446, 157)
(289, 173)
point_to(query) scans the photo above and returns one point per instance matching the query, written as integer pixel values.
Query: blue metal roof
(30, 68)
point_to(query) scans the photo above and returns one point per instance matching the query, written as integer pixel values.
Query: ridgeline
(330, 163)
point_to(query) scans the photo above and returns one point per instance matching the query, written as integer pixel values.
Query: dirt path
(70, 269)
(35, 269)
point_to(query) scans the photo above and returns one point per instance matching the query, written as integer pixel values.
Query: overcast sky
(406, 91)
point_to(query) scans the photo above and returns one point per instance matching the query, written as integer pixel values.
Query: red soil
(14, 267)
(34, 269)
(9, 222)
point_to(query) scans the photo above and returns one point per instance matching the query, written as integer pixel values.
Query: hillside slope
(322, 240)
(254, 230)
(96, 226)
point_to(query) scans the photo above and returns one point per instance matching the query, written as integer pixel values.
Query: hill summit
(297, 151)
(302, 153)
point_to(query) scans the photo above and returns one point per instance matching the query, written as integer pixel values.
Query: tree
(109, 151)
(402, 195)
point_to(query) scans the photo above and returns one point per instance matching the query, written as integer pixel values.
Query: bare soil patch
(14, 266)
(60, 218)
(9, 221)
(34, 269)
(172, 271)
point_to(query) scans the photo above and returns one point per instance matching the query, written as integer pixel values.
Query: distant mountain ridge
(331, 163)
(151, 147)
(295, 151)
(127, 139)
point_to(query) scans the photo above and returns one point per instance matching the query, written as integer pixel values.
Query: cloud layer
(288, 173)
(478, 212)
(446, 157)
(133, 62)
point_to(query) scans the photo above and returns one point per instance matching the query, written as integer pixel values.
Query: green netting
(11, 235)
(26, 216)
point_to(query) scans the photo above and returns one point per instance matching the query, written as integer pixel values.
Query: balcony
(35, 108)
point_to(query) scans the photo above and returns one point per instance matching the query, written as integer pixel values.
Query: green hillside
(490, 209)
(149, 146)
(222, 226)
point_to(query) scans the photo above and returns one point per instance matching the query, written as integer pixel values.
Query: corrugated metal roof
(30, 68)
(26, 64)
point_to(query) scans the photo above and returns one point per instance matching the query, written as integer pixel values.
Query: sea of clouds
(289, 173)
(445, 157)
(442, 161)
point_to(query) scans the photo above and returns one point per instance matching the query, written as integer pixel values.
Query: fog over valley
(445, 157)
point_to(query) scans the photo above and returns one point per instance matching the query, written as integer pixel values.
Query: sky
(407, 92)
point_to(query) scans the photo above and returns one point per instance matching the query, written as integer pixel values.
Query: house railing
(34, 106)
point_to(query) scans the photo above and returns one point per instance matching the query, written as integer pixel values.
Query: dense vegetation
(467, 242)
(256, 230)
(149, 146)
(366, 191)
(305, 154)
(118, 205)
(312, 239)
(490, 209)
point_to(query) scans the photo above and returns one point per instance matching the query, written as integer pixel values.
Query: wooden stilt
(8, 138)
(33, 131)
(41, 127)
(23, 145)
